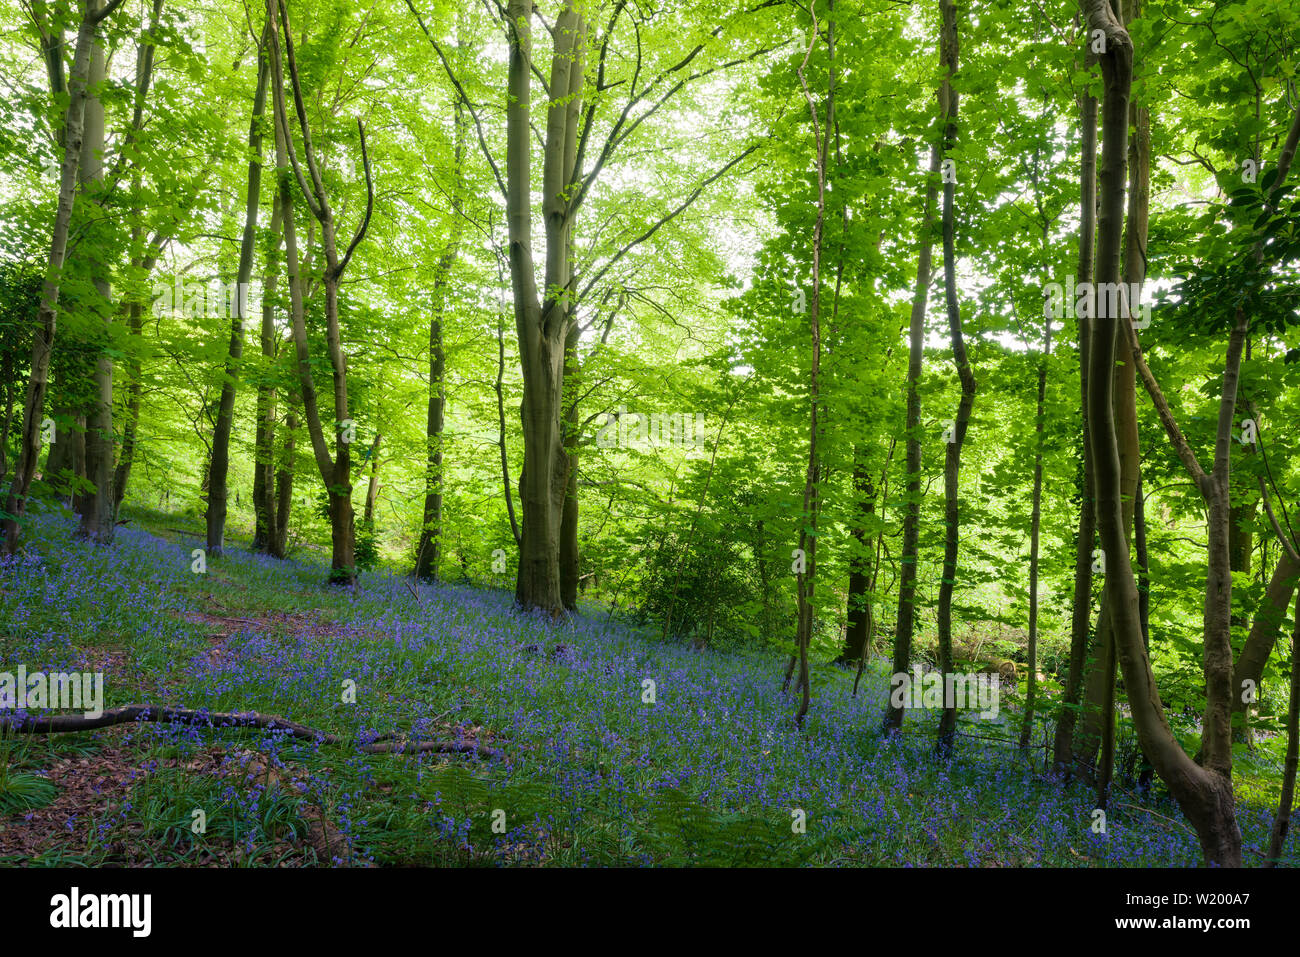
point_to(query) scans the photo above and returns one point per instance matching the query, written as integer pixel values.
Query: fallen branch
(1138, 807)
(384, 744)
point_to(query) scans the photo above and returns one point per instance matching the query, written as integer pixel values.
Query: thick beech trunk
(94, 503)
(46, 318)
(542, 323)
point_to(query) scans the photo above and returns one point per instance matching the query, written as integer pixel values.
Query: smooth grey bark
(94, 503)
(542, 323)
(47, 315)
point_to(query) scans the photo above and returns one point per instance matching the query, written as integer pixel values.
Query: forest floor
(713, 772)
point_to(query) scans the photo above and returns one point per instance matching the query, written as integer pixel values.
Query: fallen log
(384, 744)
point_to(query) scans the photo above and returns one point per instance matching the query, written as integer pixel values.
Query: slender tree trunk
(279, 546)
(808, 527)
(7, 371)
(428, 551)
(372, 490)
(65, 464)
(218, 491)
(906, 621)
(134, 390)
(335, 471)
(264, 496)
(142, 265)
(952, 457)
(1035, 529)
(501, 421)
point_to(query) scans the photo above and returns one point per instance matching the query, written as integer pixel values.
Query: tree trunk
(335, 471)
(806, 580)
(218, 491)
(46, 319)
(65, 464)
(134, 391)
(1146, 770)
(428, 551)
(906, 621)
(501, 416)
(264, 496)
(857, 632)
(95, 502)
(279, 545)
(372, 490)
(1204, 794)
(542, 324)
(142, 264)
(1081, 614)
(952, 456)
(1099, 727)
(567, 473)
(1035, 522)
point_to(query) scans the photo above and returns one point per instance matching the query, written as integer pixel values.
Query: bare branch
(370, 204)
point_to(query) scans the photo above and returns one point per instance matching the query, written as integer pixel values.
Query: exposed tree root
(384, 744)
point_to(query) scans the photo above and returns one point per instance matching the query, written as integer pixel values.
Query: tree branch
(139, 713)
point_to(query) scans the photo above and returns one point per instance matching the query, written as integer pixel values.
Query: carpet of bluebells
(712, 772)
